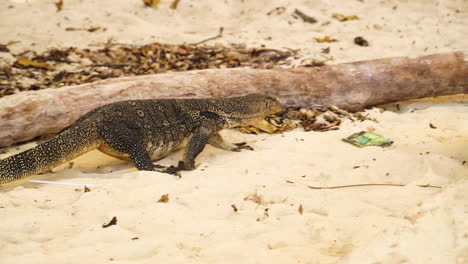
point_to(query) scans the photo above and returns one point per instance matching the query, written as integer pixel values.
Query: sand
(256, 206)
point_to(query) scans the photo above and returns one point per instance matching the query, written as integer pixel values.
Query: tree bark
(352, 86)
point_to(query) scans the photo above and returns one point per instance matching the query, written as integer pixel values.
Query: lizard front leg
(195, 145)
(218, 142)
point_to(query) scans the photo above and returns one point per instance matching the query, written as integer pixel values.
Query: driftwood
(351, 86)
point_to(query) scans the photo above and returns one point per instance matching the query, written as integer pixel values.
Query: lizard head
(263, 104)
(250, 108)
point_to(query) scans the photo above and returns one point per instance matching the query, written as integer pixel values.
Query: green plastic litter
(364, 139)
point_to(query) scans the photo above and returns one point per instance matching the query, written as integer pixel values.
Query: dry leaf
(265, 126)
(301, 209)
(164, 198)
(432, 126)
(87, 189)
(174, 4)
(325, 39)
(30, 63)
(112, 222)
(59, 5)
(342, 17)
(234, 207)
(151, 3)
(256, 198)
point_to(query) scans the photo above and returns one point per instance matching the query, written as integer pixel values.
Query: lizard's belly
(158, 151)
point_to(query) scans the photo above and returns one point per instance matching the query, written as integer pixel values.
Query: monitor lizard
(144, 131)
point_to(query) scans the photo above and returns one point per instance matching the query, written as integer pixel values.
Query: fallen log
(351, 86)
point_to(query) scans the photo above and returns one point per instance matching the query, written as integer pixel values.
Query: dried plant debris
(90, 29)
(112, 222)
(277, 11)
(343, 18)
(164, 198)
(325, 39)
(22, 62)
(360, 41)
(70, 66)
(151, 3)
(304, 17)
(234, 207)
(59, 5)
(319, 119)
(174, 4)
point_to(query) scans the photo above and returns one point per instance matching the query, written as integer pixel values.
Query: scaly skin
(144, 131)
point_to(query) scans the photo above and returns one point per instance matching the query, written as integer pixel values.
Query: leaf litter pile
(71, 66)
(319, 119)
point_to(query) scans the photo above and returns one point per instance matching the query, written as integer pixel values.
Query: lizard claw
(169, 170)
(242, 145)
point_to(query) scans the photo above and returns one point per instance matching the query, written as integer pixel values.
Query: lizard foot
(169, 170)
(242, 145)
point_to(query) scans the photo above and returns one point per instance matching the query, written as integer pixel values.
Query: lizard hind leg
(133, 148)
(127, 144)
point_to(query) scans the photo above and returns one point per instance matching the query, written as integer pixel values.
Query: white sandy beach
(46, 223)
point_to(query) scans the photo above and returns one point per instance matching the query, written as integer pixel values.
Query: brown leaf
(87, 189)
(59, 5)
(265, 126)
(325, 39)
(151, 3)
(301, 209)
(112, 222)
(164, 198)
(432, 126)
(343, 18)
(234, 207)
(174, 4)
(92, 29)
(30, 63)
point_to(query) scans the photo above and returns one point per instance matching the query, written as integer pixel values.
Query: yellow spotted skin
(144, 131)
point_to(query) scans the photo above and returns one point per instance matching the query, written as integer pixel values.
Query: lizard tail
(65, 146)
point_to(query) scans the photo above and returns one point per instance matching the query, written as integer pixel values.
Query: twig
(278, 11)
(371, 184)
(109, 65)
(305, 17)
(220, 34)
